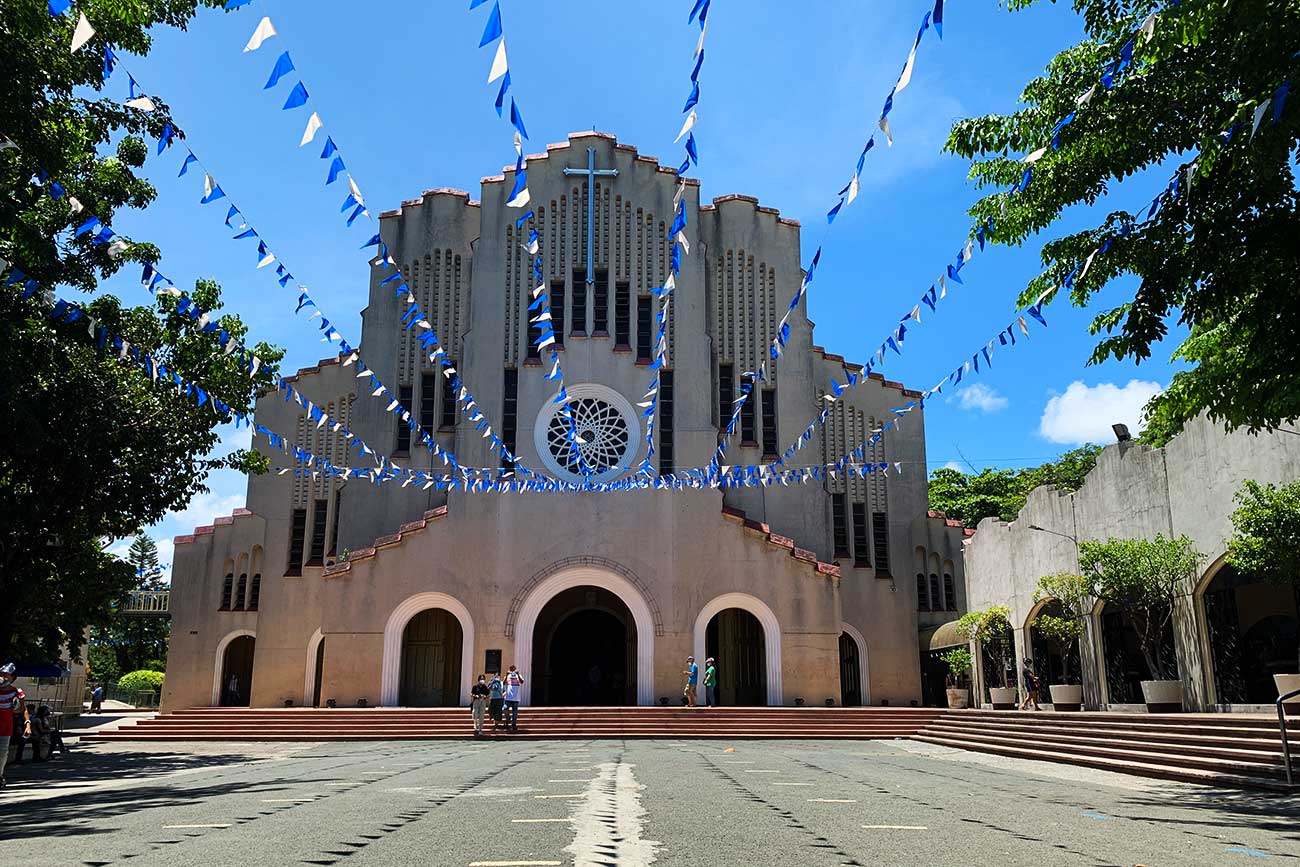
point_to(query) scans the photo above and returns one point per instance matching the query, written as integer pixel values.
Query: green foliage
(1210, 260)
(990, 493)
(991, 627)
(90, 450)
(1071, 595)
(1265, 542)
(959, 663)
(141, 681)
(1143, 577)
(125, 642)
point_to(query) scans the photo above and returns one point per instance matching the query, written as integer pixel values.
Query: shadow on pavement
(1224, 808)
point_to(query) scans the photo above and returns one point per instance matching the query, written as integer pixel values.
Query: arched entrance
(850, 672)
(735, 641)
(237, 671)
(430, 668)
(1252, 627)
(1053, 663)
(391, 672)
(1121, 651)
(584, 650)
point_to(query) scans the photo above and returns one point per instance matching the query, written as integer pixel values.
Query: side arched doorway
(1252, 626)
(1121, 651)
(236, 681)
(850, 672)
(584, 650)
(431, 657)
(735, 641)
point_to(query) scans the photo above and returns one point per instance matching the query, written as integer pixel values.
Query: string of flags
(846, 197)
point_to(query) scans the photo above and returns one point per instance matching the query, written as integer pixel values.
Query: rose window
(603, 440)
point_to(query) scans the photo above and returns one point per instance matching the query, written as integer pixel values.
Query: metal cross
(592, 173)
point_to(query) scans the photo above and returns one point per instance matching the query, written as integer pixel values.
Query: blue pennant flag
(283, 66)
(297, 97)
(230, 214)
(517, 120)
(165, 140)
(492, 31)
(58, 7)
(329, 148)
(336, 168)
(698, 9)
(834, 212)
(185, 166)
(938, 17)
(235, 4)
(694, 99)
(110, 61)
(501, 94)
(692, 149)
(216, 193)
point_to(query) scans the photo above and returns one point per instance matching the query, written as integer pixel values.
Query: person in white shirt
(514, 683)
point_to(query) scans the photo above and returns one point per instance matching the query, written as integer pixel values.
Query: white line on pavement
(896, 827)
(213, 825)
(832, 801)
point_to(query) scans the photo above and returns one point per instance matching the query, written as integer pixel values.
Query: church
(348, 592)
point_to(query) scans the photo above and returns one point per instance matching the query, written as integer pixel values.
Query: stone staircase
(353, 724)
(1220, 749)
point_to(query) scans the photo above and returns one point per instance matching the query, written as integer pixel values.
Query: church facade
(323, 590)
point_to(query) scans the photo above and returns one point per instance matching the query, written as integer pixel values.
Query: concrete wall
(1185, 488)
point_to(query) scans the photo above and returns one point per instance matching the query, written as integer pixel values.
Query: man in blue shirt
(692, 673)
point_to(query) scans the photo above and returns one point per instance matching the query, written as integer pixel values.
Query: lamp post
(1073, 539)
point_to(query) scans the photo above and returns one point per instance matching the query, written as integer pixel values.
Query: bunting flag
(265, 30)
(82, 34)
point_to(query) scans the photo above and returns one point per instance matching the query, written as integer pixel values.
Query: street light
(1073, 539)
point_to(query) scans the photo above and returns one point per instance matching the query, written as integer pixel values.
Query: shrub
(959, 664)
(992, 629)
(141, 681)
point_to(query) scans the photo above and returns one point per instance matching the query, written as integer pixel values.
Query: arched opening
(850, 672)
(584, 650)
(431, 659)
(227, 590)
(1121, 649)
(241, 590)
(318, 672)
(1253, 635)
(1053, 663)
(236, 682)
(736, 642)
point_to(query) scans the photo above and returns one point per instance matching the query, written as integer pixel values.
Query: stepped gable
(835, 358)
(578, 136)
(437, 191)
(828, 569)
(385, 542)
(950, 522)
(307, 371)
(209, 529)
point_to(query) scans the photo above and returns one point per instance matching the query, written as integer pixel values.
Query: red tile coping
(950, 522)
(877, 377)
(385, 542)
(324, 362)
(779, 541)
(209, 529)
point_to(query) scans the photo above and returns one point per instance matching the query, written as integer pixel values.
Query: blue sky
(789, 94)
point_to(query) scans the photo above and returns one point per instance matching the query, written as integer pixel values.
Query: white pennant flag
(265, 30)
(76, 206)
(691, 120)
(520, 200)
(1259, 116)
(906, 78)
(356, 191)
(1036, 155)
(143, 103)
(208, 184)
(499, 65)
(313, 126)
(1149, 27)
(82, 34)
(853, 191)
(884, 127)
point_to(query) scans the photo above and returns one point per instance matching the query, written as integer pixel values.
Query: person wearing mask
(514, 689)
(496, 693)
(478, 697)
(692, 673)
(710, 683)
(13, 707)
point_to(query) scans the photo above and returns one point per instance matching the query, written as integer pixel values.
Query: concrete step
(1245, 744)
(1226, 721)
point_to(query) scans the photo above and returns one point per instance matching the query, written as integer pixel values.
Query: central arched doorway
(431, 656)
(237, 671)
(584, 650)
(735, 641)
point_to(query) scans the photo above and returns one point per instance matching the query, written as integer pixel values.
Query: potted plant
(1265, 544)
(1073, 595)
(992, 629)
(959, 664)
(1144, 577)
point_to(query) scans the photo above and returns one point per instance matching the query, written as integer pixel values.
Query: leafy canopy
(124, 642)
(991, 627)
(990, 493)
(1217, 258)
(91, 450)
(1265, 542)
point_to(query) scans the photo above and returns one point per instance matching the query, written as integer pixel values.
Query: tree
(1212, 256)
(91, 449)
(992, 629)
(1265, 541)
(1073, 596)
(990, 493)
(1143, 577)
(129, 642)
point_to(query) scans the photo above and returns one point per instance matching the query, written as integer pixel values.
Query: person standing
(514, 684)
(97, 698)
(13, 704)
(692, 673)
(496, 692)
(1031, 686)
(478, 697)
(710, 683)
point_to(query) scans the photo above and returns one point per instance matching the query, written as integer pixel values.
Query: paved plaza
(629, 803)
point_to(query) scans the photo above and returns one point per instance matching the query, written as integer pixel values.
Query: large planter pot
(1288, 683)
(958, 698)
(1066, 697)
(1003, 697)
(1163, 696)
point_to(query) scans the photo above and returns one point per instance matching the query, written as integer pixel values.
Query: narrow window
(509, 413)
(404, 397)
(726, 394)
(227, 588)
(318, 517)
(666, 423)
(922, 600)
(644, 336)
(557, 311)
(880, 532)
(241, 589)
(448, 420)
(428, 403)
(297, 537)
(534, 335)
(579, 303)
(255, 592)
(622, 316)
(600, 304)
(748, 422)
(949, 592)
(334, 534)
(861, 544)
(839, 525)
(936, 592)
(769, 423)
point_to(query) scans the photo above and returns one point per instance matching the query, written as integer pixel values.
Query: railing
(1281, 724)
(148, 602)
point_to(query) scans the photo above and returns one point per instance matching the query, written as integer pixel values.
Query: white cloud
(953, 465)
(980, 398)
(203, 508)
(1085, 413)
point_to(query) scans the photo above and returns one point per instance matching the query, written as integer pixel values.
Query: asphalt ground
(630, 803)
